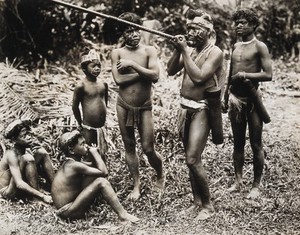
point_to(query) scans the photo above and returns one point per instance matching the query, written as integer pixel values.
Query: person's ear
(71, 150)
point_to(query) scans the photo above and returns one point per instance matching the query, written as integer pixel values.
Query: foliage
(275, 213)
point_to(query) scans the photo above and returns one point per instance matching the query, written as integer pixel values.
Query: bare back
(67, 184)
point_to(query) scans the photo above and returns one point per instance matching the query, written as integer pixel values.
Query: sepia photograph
(149, 117)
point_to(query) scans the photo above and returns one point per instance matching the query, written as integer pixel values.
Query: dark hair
(13, 130)
(69, 140)
(247, 14)
(131, 17)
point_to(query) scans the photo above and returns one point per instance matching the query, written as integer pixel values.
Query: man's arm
(207, 70)
(175, 63)
(151, 72)
(83, 169)
(98, 160)
(121, 79)
(77, 97)
(17, 176)
(266, 66)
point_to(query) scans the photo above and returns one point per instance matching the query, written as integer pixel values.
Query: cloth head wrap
(92, 55)
(202, 19)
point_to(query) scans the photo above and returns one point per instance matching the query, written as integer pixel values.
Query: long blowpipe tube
(113, 18)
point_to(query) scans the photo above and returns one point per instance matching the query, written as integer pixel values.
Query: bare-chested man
(92, 94)
(202, 69)
(19, 165)
(76, 185)
(135, 69)
(250, 64)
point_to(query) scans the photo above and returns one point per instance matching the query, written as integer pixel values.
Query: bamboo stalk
(113, 18)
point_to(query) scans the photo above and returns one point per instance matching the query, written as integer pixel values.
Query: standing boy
(135, 69)
(19, 165)
(92, 95)
(76, 185)
(202, 70)
(250, 64)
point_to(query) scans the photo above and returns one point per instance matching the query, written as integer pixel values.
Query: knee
(256, 148)
(28, 158)
(101, 182)
(191, 161)
(129, 145)
(148, 149)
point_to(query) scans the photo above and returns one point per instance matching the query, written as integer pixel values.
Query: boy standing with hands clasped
(92, 95)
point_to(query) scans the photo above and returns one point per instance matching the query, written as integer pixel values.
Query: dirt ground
(283, 105)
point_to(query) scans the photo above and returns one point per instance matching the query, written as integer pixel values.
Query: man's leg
(84, 200)
(29, 170)
(131, 157)
(146, 132)
(255, 134)
(238, 127)
(42, 157)
(90, 137)
(198, 134)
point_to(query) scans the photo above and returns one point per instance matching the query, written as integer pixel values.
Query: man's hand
(224, 107)
(123, 65)
(179, 42)
(47, 199)
(238, 77)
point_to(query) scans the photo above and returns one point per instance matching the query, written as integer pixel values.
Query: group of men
(135, 69)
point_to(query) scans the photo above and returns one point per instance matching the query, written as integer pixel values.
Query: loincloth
(63, 209)
(134, 113)
(189, 109)
(238, 107)
(101, 137)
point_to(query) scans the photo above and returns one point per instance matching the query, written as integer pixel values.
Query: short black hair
(247, 14)
(131, 17)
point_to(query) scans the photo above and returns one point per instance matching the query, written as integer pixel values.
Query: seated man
(76, 185)
(19, 165)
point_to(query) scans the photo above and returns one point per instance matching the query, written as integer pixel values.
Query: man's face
(243, 27)
(94, 68)
(24, 137)
(132, 37)
(196, 35)
(80, 149)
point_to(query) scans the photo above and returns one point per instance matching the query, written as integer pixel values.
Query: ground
(276, 212)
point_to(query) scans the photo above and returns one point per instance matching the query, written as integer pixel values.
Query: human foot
(126, 217)
(254, 193)
(236, 187)
(205, 213)
(134, 195)
(160, 183)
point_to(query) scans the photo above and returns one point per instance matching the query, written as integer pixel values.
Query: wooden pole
(113, 18)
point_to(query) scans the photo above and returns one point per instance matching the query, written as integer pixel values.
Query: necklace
(203, 51)
(248, 42)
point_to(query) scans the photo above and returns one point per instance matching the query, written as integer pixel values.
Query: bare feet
(191, 211)
(254, 193)
(160, 183)
(135, 194)
(126, 217)
(205, 213)
(236, 187)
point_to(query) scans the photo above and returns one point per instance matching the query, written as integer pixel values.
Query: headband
(92, 55)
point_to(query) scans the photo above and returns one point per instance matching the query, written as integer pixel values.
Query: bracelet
(244, 75)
